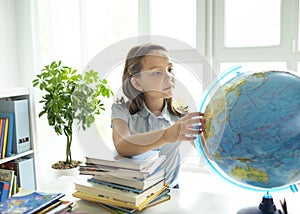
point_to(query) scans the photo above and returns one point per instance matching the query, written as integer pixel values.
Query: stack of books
(124, 185)
(36, 202)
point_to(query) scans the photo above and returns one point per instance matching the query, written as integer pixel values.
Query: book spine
(4, 188)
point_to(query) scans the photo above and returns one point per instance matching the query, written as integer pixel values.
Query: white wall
(8, 44)
(16, 42)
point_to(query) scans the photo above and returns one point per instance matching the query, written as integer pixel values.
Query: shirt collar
(165, 114)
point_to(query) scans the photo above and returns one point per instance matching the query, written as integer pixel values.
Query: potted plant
(70, 97)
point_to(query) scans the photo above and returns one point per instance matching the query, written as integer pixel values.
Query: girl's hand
(186, 128)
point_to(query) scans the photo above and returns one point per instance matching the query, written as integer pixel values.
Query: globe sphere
(252, 130)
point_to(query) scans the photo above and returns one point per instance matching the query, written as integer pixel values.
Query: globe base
(254, 210)
(266, 206)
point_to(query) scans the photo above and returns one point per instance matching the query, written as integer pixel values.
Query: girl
(149, 119)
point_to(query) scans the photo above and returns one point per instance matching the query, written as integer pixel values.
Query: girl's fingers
(191, 132)
(191, 115)
(193, 121)
(188, 138)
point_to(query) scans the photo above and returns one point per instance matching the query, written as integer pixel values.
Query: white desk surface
(183, 201)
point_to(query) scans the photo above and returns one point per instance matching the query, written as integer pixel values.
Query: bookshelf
(23, 94)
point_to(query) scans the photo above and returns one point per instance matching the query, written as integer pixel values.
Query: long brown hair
(133, 66)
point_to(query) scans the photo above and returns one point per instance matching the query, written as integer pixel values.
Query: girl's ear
(135, 82)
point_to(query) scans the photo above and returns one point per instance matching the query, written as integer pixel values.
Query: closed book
(162, 197)
(4, 190)
(95, 197)
(115, 209)
(30, 203)
(3, 154)
(1, 121)
(116, 193)
(8, 176)
(2, 135)
(137, 162)
(11, 120)
(95, 169)
(64, 206)
(138, 184)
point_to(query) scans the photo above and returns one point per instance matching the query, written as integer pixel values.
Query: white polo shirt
(145, 121)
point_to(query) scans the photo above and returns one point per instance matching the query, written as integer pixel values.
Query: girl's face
(156, 78)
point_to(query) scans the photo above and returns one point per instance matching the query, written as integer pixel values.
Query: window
(107, 22)
(262, 34)
(252, 23)
(174, 18)
(77, 30)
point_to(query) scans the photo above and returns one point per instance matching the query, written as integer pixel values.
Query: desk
(183, 201)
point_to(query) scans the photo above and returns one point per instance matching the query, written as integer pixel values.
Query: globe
(252, 129)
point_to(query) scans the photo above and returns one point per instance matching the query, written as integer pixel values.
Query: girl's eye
(170, 70)
(156, 73)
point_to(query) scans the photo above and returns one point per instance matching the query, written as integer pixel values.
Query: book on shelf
(118, 171)
(1, 137)
(3, 121)
(123, 182)
(9, 142)
(30, 203)
(121, 194)
(137, 162)
(8, 176)
(3, 152)
(95, 197)
(4, 190)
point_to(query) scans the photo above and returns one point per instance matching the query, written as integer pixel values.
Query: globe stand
(266, 206)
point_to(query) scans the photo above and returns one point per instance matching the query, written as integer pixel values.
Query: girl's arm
(129, 145)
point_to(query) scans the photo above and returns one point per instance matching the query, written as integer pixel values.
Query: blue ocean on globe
(252, 129)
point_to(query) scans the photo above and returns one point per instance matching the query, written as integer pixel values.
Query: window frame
(285, 51)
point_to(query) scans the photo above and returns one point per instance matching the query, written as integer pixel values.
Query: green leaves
(70, 96)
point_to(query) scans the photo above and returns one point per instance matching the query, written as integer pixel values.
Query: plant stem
(68, 150)
(69, 133)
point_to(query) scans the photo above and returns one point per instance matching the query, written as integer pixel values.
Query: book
(63, 206)
(4, 190)
(115, 209)
(120, 210)
(96, 169)
(3, 154)
(137, 184)
(137, 162)
(50, 207)
(8, 176)
(124, 195)
(162, 197)
(11, 165)
(2, 135)
(11, 119)
(107, 200)
(30, 203)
